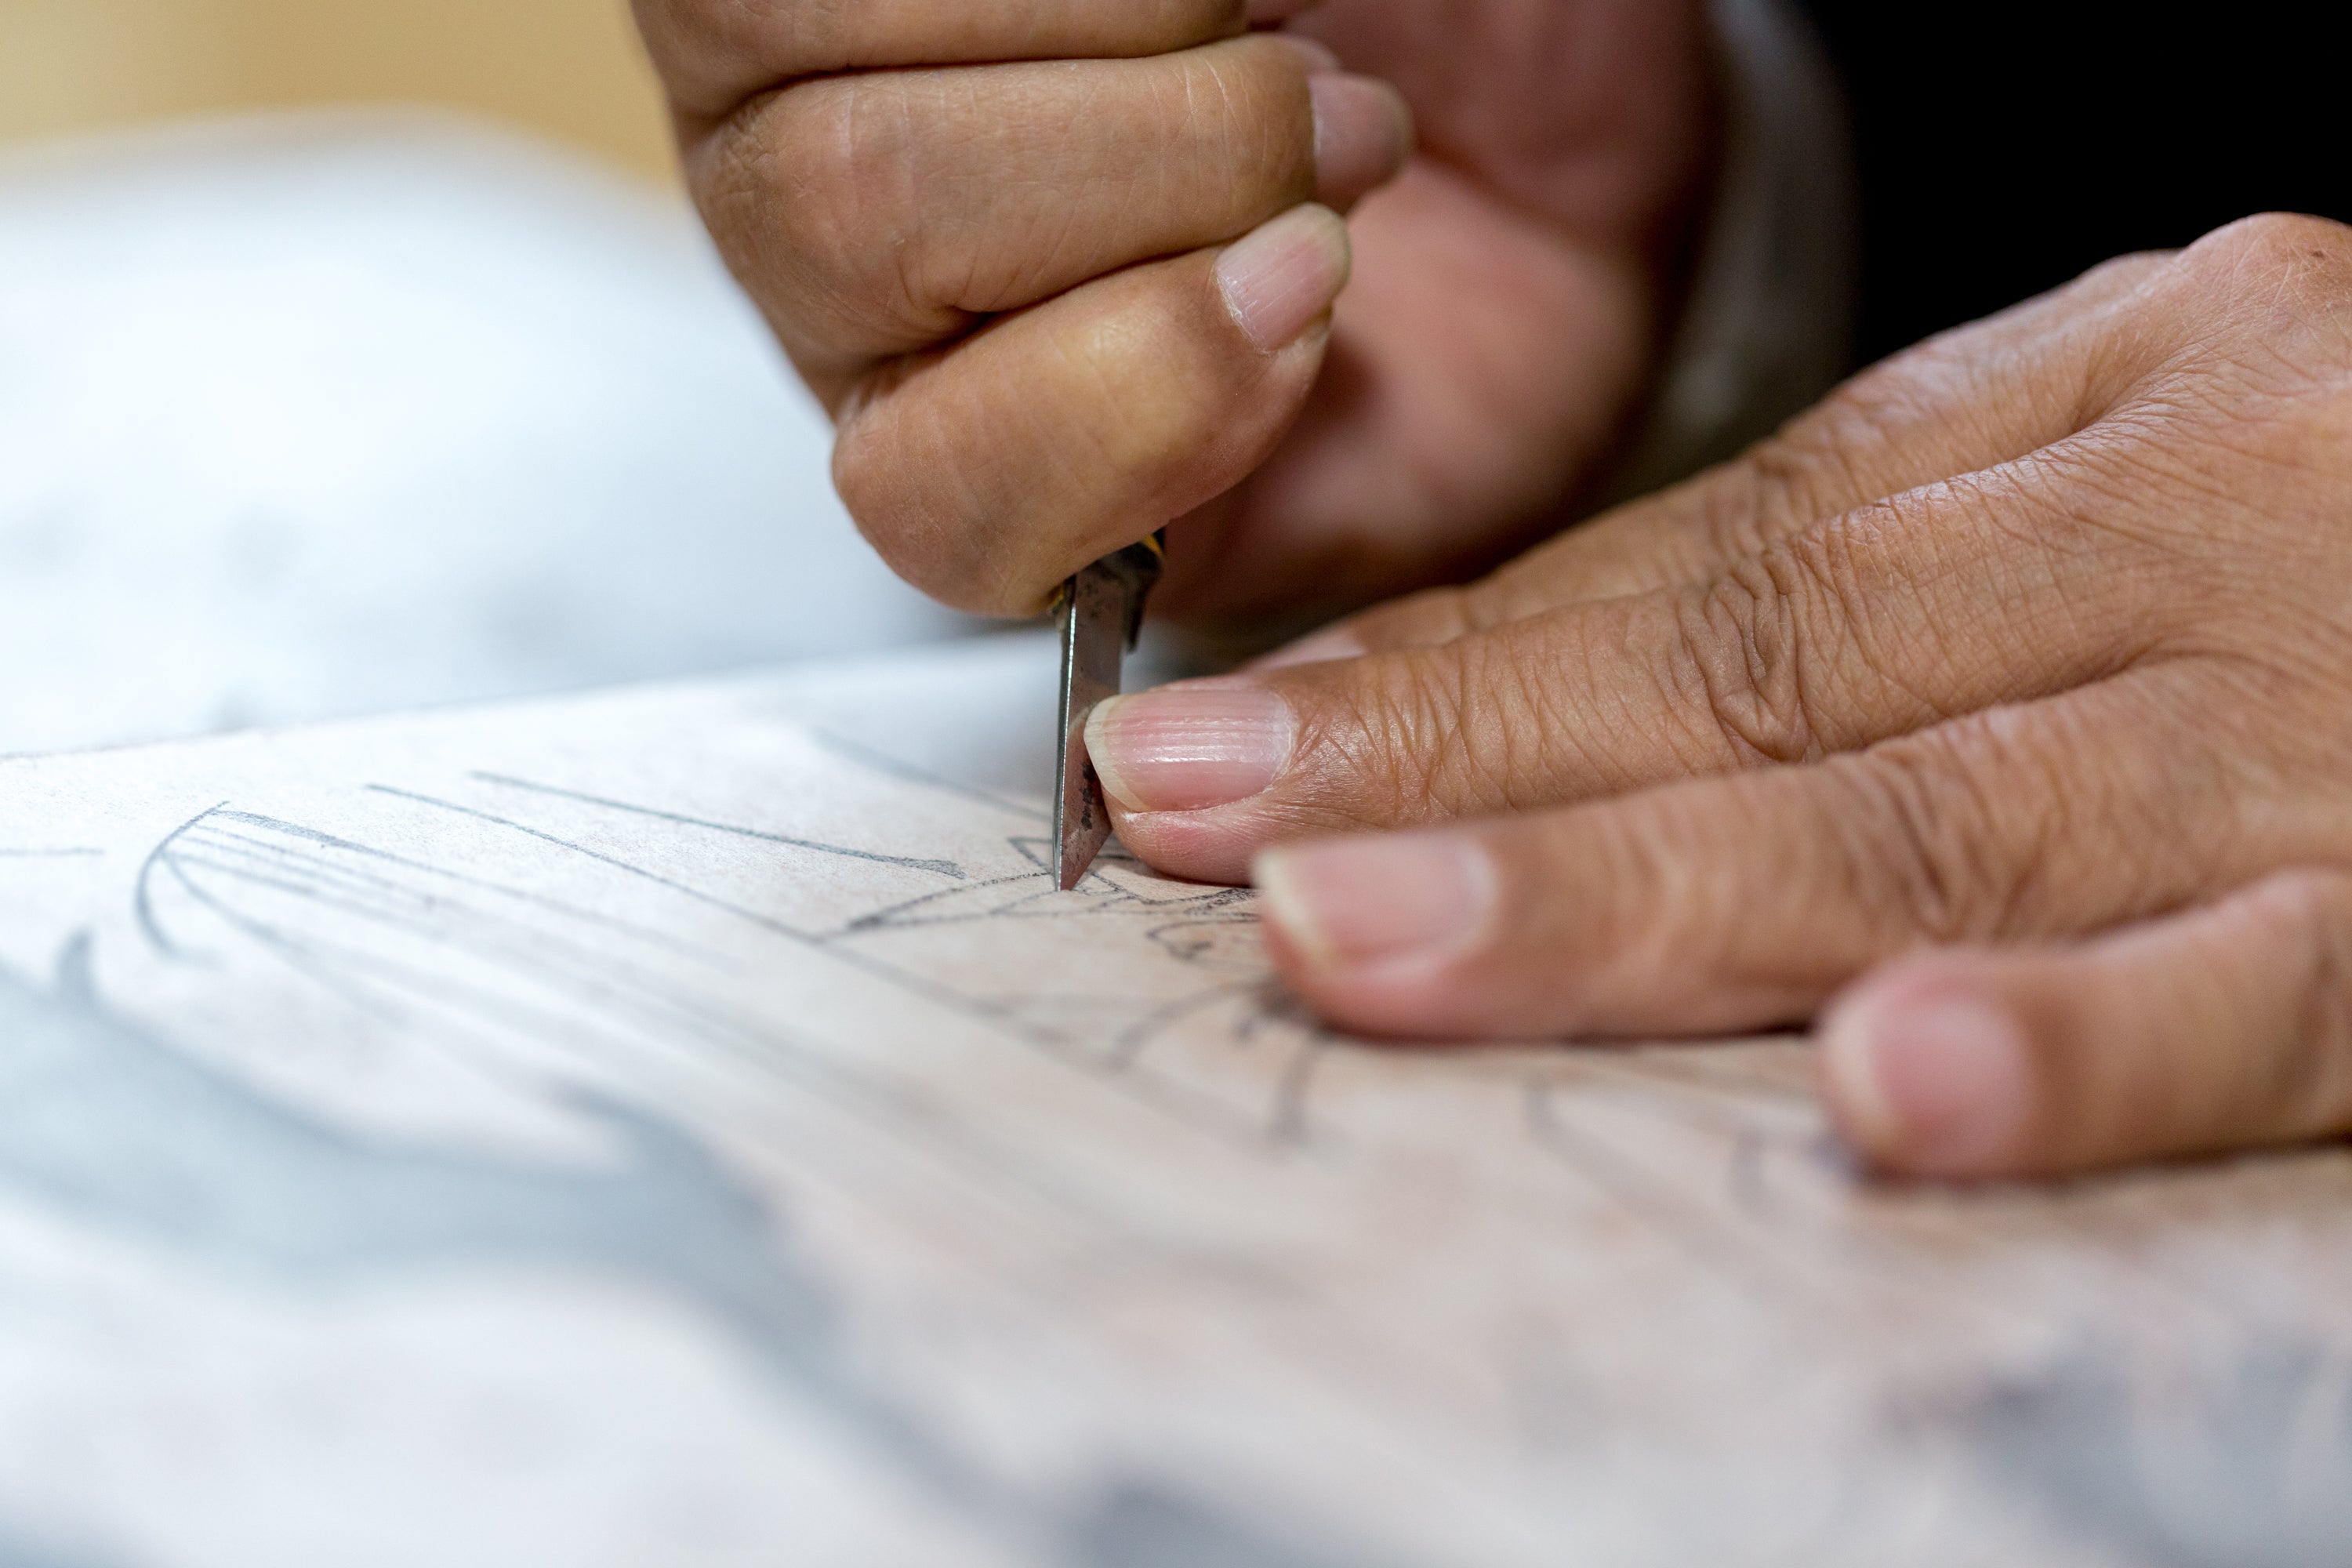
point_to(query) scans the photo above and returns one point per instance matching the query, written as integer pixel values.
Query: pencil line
(842, 746)
(937, 867)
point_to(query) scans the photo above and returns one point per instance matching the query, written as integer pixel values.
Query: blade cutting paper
(1102, 613)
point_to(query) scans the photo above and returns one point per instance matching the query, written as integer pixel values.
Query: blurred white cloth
(312, 416)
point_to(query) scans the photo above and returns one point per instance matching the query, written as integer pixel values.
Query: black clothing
(2006, 148)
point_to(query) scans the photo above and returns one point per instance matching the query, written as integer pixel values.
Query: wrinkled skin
(2002, 707)
(1993, 718)
(1000, 275)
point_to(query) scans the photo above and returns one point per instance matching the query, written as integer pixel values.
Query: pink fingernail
(1190, 747)
(1939, 1083)
(1408, 900)
(1363, 136)
(1320, 647)
(1281, 278)
(1317, 57)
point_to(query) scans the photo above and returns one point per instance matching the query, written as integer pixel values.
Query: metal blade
(1098, 610)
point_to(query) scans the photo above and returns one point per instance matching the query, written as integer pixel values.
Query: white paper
(683, 1126)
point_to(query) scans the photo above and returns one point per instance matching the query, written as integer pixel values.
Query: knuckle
(2284, 276)
(1431, 617)
(1740, 507)
(1728, 652)
(1814, 468)
(1914, 842)
(921, 531)
(1382, 750)
(1427, 734)
(2280, 242)
(1520, 749)
(1739, 646)
(809, 192)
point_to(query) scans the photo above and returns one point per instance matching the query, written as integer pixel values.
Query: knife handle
(1139, 568)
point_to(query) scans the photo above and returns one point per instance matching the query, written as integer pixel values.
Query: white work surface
(685, 1127)
(316, 415)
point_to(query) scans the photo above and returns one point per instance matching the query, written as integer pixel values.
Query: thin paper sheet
(684, 1126)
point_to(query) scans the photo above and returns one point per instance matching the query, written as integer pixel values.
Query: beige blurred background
(569, 69)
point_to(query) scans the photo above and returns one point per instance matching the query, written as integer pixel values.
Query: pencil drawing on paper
(377, 927)
(332, 907)
(764, 1041)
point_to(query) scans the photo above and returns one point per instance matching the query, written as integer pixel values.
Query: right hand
(1063, 270)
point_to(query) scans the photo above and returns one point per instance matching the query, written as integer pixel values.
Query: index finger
(713, 55)
(1999, 588)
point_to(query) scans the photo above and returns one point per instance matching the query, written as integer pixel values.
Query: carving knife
(1101, 611)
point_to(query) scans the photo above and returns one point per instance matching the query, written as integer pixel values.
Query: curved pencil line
(1141, 1036)
(891, 915)
(766, 922)
(142, 901)
(522, 895)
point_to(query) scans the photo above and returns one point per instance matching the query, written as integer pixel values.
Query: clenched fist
(1066, 270)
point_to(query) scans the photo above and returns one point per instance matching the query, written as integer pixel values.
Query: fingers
(2227, 1027)
(1975, 399)
(885, 212)
(988, 475)
(1746, 902)
(715, 54)
(1004, 281)
(1998, 589)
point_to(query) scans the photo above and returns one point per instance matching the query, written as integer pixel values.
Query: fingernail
(1939, 1084)
(1363, 136)
(1317, 57)
(1187, 748)
(1320, 647)
(1415, 898)
(1279, 279)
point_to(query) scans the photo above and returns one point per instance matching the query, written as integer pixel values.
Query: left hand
(2008, 694)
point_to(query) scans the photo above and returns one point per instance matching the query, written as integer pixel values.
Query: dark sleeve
(2006, 148)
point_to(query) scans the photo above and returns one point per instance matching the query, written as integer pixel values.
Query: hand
(1056, 302)
(2006, 699)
